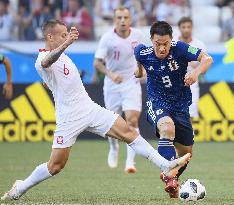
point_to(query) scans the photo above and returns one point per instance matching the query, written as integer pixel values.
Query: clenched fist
(72, 36)
(191, 77)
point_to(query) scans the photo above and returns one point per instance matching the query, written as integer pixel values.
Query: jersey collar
(130, 30)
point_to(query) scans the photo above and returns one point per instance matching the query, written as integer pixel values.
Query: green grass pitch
(87, 179)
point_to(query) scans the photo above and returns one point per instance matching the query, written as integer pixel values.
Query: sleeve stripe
(146, 51)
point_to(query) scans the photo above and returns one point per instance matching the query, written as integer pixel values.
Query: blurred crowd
(22, 19)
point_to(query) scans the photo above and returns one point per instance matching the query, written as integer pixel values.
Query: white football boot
(15, 193)
(130, 168)
(113, 157)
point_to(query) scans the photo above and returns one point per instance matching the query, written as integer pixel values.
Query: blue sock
(166, 149)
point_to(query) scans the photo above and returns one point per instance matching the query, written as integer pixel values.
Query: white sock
(114, 144)
(131, 153)
(39, 174)
(143, 148)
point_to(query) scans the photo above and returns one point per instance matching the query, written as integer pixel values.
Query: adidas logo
(30, 117)
(216, 109)
(146, 51)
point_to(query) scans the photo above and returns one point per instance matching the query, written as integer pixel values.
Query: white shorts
(98, 121)
(123, 97)
(193, 108)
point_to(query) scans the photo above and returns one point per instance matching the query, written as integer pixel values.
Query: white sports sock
(131, 153)
(114, 144)
(143, 148)
(39, 174)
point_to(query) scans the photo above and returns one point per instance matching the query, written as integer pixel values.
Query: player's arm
(54, 55)
(205, 62)
(8, 87)
(139, 73)
(100, 66)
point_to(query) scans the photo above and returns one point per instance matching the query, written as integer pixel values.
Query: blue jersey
(165, 78)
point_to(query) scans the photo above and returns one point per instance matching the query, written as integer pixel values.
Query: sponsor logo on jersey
(29, 117)
(216, 121)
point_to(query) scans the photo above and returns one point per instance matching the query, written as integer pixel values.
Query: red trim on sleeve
(43, 50)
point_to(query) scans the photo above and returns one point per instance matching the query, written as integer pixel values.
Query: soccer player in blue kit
(169, 94)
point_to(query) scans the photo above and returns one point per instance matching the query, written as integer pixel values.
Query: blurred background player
(169, 94)
(122, 91)
(228, 25)
(8, 87)
(185, 25)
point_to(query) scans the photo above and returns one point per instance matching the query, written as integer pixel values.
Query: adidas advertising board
(216, 110)
(30, 115)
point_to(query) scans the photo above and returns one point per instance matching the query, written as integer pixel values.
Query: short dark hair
(49, 25)
(161, 28)
(185, 19)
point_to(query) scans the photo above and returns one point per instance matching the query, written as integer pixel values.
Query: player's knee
(167, 130)
(181, 153)
(55, 168)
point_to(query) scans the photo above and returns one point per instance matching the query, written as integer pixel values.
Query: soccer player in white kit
(185, 25)
(122, 91)
(76, 112)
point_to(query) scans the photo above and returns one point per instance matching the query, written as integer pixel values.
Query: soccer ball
(192, 190)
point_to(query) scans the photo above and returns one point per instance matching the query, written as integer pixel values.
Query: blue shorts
(183, 127)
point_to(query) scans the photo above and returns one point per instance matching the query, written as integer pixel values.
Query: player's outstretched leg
(113, 154)
(122, 131)
(42, 172)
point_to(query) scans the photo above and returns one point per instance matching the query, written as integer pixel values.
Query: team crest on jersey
(60, 140)
(172, 64)
(134, 44)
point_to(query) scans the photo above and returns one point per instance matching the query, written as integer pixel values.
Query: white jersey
(118, 53)
(62, 77)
